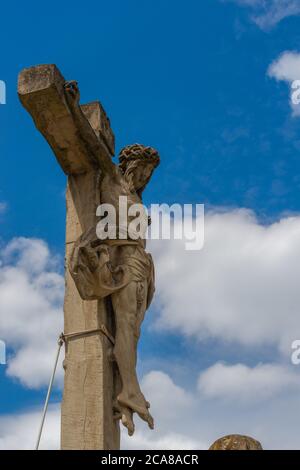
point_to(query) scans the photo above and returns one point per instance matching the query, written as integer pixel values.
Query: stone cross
(87, 420)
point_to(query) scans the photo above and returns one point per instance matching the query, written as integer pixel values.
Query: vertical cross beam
(87, 420)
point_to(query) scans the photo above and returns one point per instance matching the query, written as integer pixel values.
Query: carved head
(137, 164)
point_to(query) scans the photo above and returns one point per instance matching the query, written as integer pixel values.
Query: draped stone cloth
(102, 267)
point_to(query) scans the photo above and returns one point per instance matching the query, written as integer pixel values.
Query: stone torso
(111, 188)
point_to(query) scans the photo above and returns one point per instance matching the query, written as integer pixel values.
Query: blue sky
(189, 78)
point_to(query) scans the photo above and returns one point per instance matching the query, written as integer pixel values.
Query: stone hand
(72, 90)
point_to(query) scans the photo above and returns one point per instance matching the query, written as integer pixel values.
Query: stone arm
(97, 149)
(79, 135)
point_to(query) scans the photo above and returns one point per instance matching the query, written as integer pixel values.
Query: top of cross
(79, 136)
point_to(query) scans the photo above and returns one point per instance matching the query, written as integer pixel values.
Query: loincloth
(95, 274)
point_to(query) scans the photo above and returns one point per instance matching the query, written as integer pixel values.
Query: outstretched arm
(97, 148)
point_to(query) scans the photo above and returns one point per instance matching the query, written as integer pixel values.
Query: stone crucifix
(109, 284)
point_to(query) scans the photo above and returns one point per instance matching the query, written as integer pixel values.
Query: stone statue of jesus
(119, 269)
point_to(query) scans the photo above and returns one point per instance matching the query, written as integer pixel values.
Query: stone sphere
(236, 442)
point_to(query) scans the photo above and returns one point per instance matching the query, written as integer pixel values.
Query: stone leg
(129, 306)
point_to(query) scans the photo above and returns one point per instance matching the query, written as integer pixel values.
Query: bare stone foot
(125, 415)
(138, 404)
(127, 420)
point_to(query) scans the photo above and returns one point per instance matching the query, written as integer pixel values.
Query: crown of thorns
(138, 152)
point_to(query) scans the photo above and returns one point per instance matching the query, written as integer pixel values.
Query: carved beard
(129, 176)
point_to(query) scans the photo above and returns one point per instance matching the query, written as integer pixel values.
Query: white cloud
(172, 407)
(268, 13)
(241, 287)
(171, 404)
(184, 419)
(160, 387)
(287, 68)
(19, 431)
(239, 383)
(31, 295)
(170, 441)
(189, 419)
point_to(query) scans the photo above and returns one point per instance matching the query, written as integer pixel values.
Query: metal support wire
(60, 343)
(61, 340)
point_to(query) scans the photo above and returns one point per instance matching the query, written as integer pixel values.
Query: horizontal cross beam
(77, 144)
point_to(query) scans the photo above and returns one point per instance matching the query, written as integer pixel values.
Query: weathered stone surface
(99, 121)
(41, 91)
(87, 409)
(120, 269)
(108, 282)
(236, 442)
